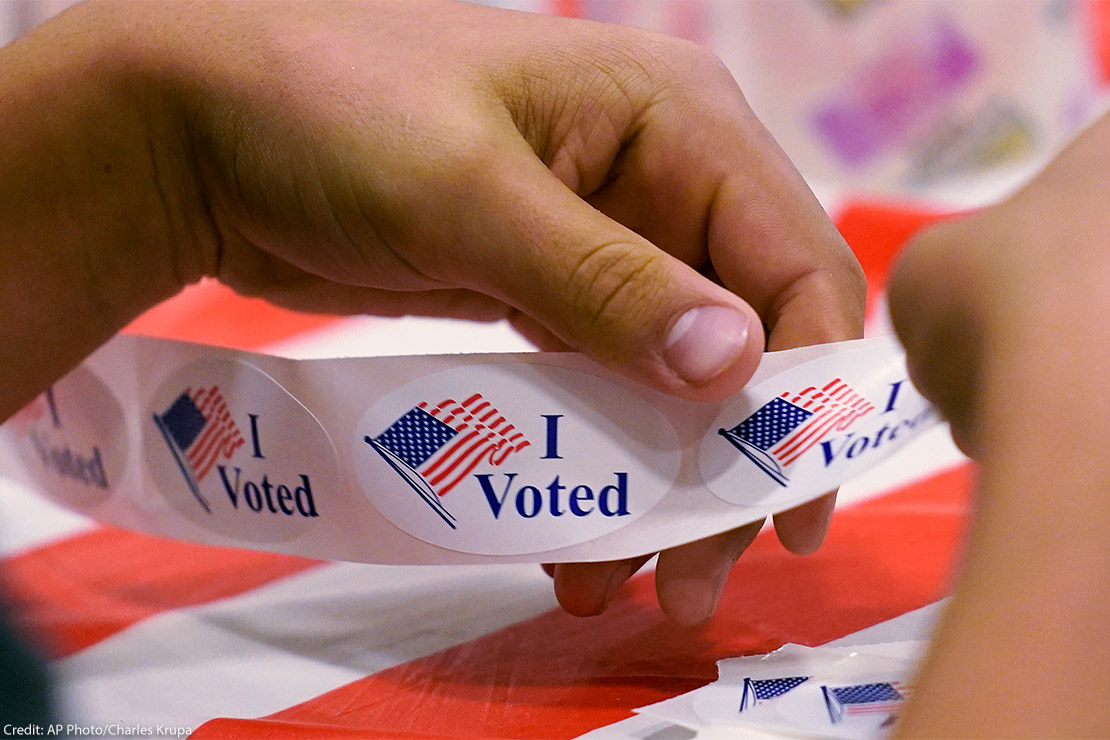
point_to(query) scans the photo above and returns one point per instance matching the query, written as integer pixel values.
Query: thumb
(604, 290)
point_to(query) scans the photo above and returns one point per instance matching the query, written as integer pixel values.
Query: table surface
(151, 633)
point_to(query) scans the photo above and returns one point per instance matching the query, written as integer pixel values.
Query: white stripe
(289, 641)
(27, 520)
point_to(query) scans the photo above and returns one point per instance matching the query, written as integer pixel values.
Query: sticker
(236, 453)
(863, 708)
(809, 428)
(826, 691)
(73, 439)
(515, 462)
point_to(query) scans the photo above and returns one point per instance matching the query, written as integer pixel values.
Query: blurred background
(949, 101)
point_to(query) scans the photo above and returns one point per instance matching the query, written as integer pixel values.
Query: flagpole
(181, 464)
(429, 496)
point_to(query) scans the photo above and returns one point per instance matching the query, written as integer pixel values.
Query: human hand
(606, 189)
(1011, 294)
(1002, 315)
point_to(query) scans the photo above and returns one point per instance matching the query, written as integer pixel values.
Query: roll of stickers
(533, 457)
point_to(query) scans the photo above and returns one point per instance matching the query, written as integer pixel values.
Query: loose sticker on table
(858, 709)
(234, 452)
(512, 464)
(73, 438)
(807, 429)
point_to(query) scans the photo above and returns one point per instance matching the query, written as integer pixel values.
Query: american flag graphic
(199, 431)
(435, 446)
(782, 430)
(757, 690)
(864, 698)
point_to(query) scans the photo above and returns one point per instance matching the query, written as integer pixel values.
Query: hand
(606, 189)
(1002, 314)
(1014, 289)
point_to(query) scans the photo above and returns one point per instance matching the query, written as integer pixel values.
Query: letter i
(894, 388)
(53, 408)
(552, 451)
(254, 436)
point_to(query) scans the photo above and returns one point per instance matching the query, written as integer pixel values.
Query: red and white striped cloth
(146, 632)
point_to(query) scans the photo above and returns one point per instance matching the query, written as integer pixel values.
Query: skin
(592, 184)
(1003, 317)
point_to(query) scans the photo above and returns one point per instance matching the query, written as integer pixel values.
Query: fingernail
(705, 342)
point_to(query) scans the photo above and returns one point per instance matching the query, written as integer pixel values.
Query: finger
(601, 288)
(802, 529)
(932, 309)
(742, 205)
(585, 589)
(537, 333)
(809, 288)
(782, 254)
(258, 274)
(689, 579)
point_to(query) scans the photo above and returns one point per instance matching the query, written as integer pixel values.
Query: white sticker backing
(531, 457)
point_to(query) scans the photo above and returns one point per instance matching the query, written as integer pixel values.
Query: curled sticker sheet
(531, 457)
(804, 692)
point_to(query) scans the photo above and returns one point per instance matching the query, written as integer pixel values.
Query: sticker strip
(533, 457)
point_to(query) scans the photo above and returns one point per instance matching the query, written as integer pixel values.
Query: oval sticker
(513, 459)
(74, 439)
(805, 431)
(234, 452)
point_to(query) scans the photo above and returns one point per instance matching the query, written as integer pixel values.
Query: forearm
(86, 224)
(1023, 650)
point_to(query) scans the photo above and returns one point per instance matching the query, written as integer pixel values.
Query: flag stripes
(483, 435)
(220, 437)
(833, 407)
(523, 682)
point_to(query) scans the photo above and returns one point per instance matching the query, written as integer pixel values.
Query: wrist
(93, 226)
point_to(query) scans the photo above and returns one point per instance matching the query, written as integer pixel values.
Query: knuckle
(614, 281)
(850, 274)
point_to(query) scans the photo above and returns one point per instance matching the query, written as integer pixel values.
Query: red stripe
(448, 453)
(213, 314)
(442, 472)
(222, 438)
(876, 231)
(556, 676)
(227, 447)
(483, 454)
(839, 422)
(819, 426)
(78, 591)
(803, 394)
(499, 456)
(473, 455)
(201, 444)
(221, 435)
